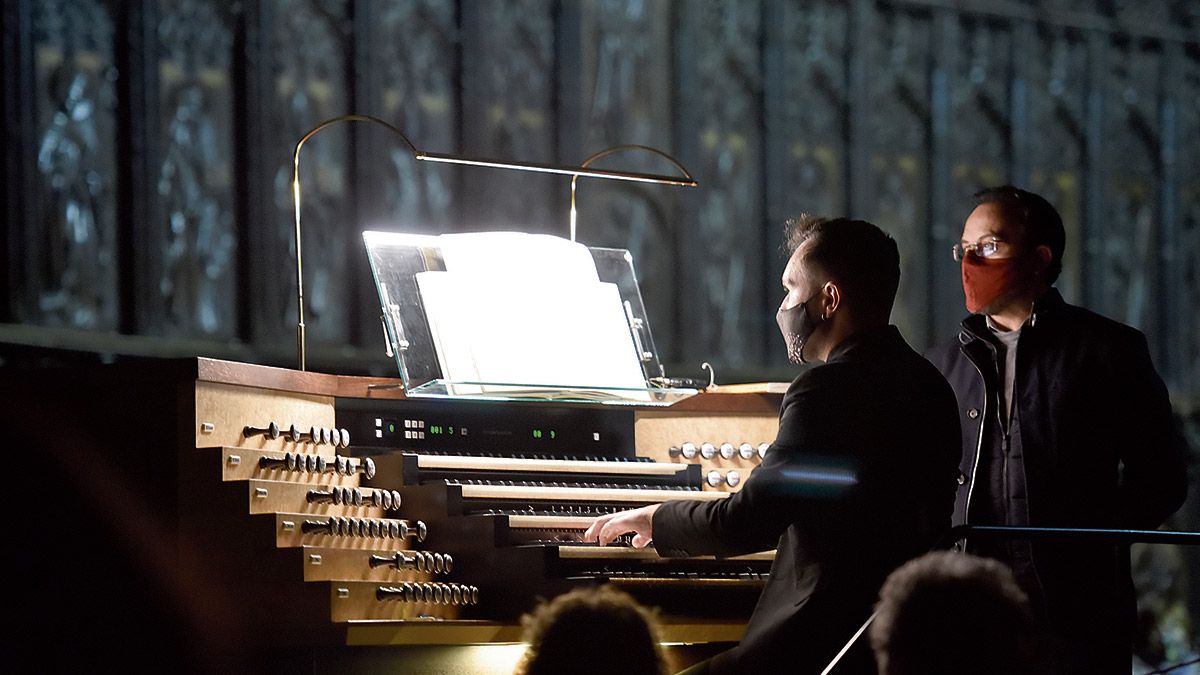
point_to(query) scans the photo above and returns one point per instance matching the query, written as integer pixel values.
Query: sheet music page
(511, 256)
(526, 329)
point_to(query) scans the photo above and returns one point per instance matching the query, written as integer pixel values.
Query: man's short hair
(591, 630)
(862, 258)
(948, 613)
(1039, 221)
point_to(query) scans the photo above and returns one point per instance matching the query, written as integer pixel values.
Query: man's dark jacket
(859, 480)
(1092, 445)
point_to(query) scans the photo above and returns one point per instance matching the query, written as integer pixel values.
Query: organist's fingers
(593, 530)
(638, 521)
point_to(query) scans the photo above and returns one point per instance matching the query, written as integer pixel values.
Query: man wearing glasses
(1065, 424)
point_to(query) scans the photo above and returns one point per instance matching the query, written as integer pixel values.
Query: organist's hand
(640, 522)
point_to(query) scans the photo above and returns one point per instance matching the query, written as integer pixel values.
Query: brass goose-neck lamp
(575, 172)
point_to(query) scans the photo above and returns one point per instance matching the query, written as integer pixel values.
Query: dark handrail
(1072, 534)
(1064, 534)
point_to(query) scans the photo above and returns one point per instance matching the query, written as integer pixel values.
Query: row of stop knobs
(338, 438)
(725, 450)
(366, 527)
(299, 461)
(388, 500)
(437, 593)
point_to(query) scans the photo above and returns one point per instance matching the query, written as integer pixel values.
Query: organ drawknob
(271, 431)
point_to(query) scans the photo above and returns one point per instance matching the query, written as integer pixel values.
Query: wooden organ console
(295, 519)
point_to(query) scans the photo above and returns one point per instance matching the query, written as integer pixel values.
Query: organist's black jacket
(860, 479)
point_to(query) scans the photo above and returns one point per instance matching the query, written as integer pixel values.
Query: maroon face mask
(986, 280)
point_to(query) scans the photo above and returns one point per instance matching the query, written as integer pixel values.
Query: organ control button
(762, 450)
(422, 561)
(727, 451)
(746, 451)
(733, 478)
(313, 435)
(293, 434)
(288, 460)
(714, 478)
(688, 450)
(708, 450)
(271, 431)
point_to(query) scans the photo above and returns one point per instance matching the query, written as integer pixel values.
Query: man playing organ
(860, 478)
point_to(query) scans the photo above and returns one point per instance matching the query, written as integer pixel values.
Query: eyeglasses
(982, 249)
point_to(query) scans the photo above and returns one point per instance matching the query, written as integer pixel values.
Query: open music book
(527, 314)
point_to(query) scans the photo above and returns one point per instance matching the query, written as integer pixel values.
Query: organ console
(301, 516)
(417, 544)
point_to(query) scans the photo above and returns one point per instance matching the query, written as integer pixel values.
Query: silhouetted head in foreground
(591, 630)
(948, 613)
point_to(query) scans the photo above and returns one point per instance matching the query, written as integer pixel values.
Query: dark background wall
(148, 149)
(147, 160)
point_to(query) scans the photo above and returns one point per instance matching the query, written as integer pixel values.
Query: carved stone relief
(195, 180)
(508, 107)
(723, 305)
(1056, 145)
(625, 98)
(1126, 245)
(307, 54)
(413, 61)
(70, 256)
(897, 125)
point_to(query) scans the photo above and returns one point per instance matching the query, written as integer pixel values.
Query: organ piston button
(746, 451)
(688, 450)
(714, 478)
(733, 478)
(708, 450)
(762, 450)
(727, 450)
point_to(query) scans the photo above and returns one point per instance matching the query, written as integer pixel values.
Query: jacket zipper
(978, 444)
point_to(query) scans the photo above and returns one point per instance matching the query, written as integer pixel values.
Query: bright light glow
(492, 658)
(839, 477)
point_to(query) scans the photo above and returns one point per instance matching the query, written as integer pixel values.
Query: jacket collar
(974, 327)
(868, 342)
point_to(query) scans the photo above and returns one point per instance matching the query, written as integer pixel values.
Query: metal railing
(1057, 534)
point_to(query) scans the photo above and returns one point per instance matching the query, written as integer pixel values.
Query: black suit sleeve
(770, 500)
(1154, 472)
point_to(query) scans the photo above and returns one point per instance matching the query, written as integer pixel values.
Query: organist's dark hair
(590, 631)
(862, 258)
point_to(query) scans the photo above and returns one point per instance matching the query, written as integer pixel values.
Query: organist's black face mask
(797, 327)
